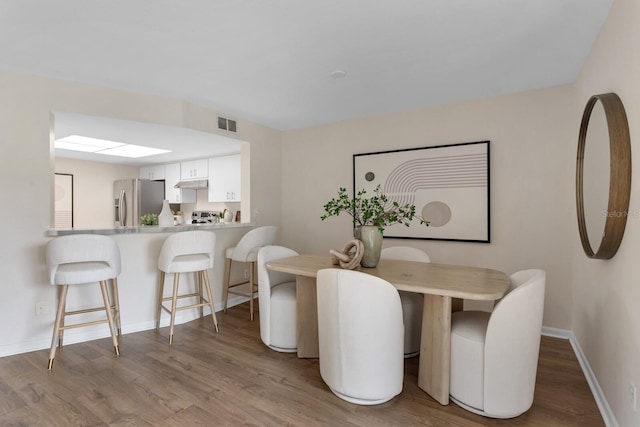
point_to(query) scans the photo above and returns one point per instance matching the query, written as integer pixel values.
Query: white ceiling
(270, 61)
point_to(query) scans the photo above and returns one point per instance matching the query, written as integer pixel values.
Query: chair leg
(251, 281)
(116, 304)
(56, 327)
(227, 282)
(174, 299)
(61, 326)
(207, 287)
(199, 280)
(254, 285)
(107, 308)
(160, 295)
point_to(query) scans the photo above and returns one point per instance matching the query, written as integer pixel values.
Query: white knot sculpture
(350, 256)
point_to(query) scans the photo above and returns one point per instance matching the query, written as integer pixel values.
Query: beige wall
(93, 189)
(532, 164)
(606, 314)
(27, 168)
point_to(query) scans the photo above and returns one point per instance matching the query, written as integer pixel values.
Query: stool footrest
(205, 303)
(244, 294)
(77, 325)
(246, 282)
(182, 296)
(87, 310)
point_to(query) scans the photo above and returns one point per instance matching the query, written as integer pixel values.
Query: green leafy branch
(375, 210)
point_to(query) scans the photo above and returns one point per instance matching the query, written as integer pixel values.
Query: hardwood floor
(233, 379)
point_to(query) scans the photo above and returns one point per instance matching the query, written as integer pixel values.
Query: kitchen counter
(147, 229)
(140, 248)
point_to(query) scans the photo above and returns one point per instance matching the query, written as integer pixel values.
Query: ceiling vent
(227, 124)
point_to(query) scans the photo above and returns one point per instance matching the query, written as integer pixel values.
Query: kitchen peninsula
(138, 281)
(147, 229)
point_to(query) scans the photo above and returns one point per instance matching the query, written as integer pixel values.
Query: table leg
(307, 328)
(457, 304)
(435, 347)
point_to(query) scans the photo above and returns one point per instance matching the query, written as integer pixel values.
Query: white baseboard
(91, 333)
(605, 410)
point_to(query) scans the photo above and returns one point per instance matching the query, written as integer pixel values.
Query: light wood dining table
(444, 286)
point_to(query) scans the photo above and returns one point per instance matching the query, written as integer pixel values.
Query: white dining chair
(186, 252)
(246, 251)
(361, 335)
(83, 259)
(494, 356)
(412, 302)
(277, 301)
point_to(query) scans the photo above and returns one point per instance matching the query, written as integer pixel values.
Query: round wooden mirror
(603, 175)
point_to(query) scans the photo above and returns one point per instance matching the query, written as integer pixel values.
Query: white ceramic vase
(371, 238)
(165, 219)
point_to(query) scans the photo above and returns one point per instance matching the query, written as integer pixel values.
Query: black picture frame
(449, 185)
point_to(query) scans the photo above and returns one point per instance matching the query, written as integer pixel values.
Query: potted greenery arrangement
(370, 217)
(149, 219)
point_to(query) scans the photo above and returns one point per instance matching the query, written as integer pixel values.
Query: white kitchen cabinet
(176, 195)
(154, 172)
(224, 178)
(194, 169)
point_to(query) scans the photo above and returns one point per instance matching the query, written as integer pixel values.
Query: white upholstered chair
(78, 260)
(247, 251)
(412, 302)
(494, 356)
(277, 300)
(360, 334)
(186, 252)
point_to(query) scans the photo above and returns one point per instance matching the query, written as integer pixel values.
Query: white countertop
(147, 229)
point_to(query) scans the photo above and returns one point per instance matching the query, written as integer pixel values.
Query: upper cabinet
(176, 195)
(154, 172)
(194, 169)
(223, 174)
(224, 178)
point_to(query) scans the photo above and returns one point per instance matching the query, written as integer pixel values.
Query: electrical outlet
(246, 274)
(634, 396)
(41, 308)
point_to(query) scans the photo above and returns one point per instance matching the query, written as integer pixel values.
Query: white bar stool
(247, 251)
(82, 259)
(186, 252)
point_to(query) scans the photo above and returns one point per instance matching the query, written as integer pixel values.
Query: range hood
(194, 184)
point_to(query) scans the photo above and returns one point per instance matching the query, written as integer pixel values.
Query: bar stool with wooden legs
(187, 252)
(247, 251)
(83, 259)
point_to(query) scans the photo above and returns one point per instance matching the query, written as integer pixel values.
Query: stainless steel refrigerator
(134, 198)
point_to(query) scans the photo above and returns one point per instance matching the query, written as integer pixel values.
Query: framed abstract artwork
(448, 184)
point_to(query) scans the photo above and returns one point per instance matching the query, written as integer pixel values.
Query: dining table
(444, 286)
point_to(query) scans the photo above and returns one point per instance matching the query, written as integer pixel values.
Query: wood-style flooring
(232, 379)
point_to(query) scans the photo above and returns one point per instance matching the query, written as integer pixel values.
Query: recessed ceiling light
(103, 146)
(133, 151)
(84, 143)
(338, 74)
